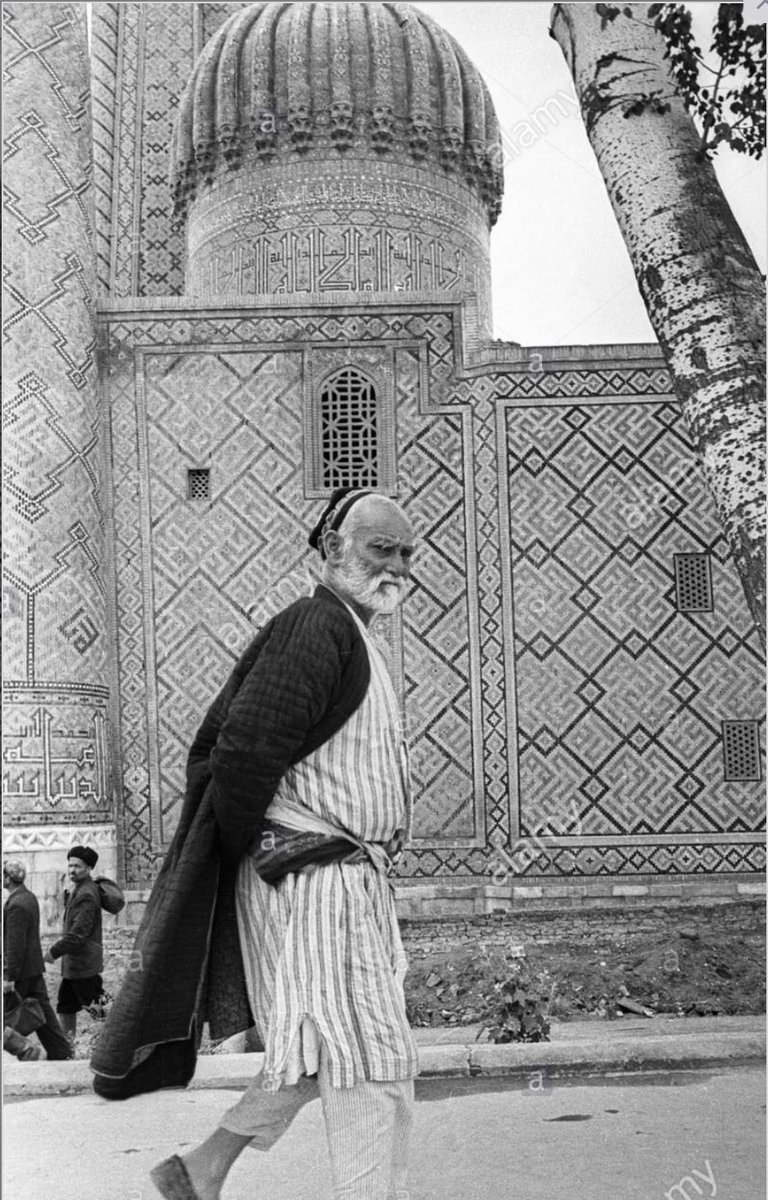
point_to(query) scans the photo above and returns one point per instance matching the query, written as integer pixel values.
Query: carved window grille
(349, 432)
(741, 751)
(198, 483)
(693, 583)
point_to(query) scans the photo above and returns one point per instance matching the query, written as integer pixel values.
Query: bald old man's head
(368, 557)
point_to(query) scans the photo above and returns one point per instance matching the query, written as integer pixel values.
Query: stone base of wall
(445, 900)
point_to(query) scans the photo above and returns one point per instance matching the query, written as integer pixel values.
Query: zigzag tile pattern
(153, 46)
(167, 56)
(105, 20)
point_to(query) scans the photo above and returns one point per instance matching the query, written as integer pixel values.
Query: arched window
(349, 433)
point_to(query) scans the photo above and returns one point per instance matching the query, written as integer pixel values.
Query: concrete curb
(594, 1053)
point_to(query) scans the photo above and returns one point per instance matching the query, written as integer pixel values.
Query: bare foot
(206, 1182)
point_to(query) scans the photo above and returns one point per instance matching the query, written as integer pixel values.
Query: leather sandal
(171, 1179)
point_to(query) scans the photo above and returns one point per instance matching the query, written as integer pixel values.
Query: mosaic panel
(620, 696)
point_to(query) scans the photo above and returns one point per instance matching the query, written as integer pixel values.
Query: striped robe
(324, 962)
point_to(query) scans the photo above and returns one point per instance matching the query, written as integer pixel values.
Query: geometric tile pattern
(620, 695)
(168, 32)
(54, 592)
(142, 56)
(579, 384)
(214, 565)
(439, 649)
(136, 822)
(194, 577)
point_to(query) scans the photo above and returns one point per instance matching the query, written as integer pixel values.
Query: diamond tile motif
(635, 735)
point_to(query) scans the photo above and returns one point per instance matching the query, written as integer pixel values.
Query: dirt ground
(695, 973)
(693, 962)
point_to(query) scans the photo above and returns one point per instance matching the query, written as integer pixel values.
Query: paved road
(668, 1137)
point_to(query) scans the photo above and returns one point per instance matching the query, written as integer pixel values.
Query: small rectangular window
(741, 751)
(693, 583)
(198, 483)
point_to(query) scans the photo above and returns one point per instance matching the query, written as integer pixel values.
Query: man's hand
(48, 957)
(396, 845)
(8, 985)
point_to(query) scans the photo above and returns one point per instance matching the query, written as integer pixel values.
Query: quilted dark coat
(296, 684)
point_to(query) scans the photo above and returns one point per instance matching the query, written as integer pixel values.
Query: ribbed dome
(290, 80)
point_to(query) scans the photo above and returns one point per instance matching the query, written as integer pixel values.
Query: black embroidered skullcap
(334, 513)
(85, 854)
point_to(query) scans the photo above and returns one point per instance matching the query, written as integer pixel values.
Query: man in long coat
(297, 805)
(23, 965)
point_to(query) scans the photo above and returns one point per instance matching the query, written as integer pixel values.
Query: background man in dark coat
(23, 956)
(80, 946)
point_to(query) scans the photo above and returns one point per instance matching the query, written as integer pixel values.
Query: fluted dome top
(285, 80)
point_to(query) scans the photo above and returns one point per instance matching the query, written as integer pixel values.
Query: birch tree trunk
(700, 283)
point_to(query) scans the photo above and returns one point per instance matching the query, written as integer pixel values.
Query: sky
(561, 273)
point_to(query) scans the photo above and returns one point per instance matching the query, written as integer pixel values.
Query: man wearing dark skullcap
(298, 788)
(80, 946)
(23, 966)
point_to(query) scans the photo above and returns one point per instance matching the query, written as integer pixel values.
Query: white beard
(380, 593)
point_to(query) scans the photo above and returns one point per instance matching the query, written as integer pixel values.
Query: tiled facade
(565, 716)
(56, 768)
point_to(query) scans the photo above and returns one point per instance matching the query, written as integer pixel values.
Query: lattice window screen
(693, 583)
(199, 484)
(349, 446)
(741, 750)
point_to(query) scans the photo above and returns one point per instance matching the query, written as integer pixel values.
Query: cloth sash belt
(293, 837)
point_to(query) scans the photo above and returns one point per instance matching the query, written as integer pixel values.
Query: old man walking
(298, 786)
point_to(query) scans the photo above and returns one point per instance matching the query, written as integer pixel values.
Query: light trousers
(368, 1127)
